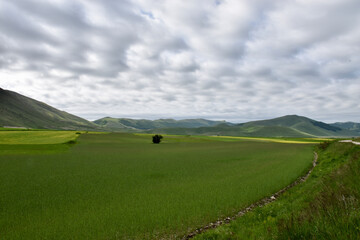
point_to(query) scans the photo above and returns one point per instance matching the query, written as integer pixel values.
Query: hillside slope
(144, 124)
(347, 125)
(19, 111)
(286, 126)
(261, 131)
(302, 124)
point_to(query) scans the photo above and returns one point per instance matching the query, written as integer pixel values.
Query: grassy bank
(115, 186)
(326, 206)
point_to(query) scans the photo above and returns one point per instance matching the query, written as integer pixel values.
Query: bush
(157, 138)
(71, 142)
(324, 145)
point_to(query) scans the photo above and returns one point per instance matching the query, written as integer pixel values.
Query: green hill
(302, 125)
(286, 126)
(113, 124)
(260, 131)
(19, 111)
(127, 124)
(348, 126)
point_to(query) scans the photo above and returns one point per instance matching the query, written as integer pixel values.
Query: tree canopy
(157, 138)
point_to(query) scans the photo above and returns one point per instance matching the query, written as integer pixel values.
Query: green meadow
(326, 206)
(36, 137)
(121, 186)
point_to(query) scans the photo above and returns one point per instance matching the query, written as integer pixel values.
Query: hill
(286, 126)
(348, 126)
(261, 131)
(302, 125)
(19, 111)
(127, 124)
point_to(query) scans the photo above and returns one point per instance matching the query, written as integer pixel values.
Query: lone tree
(157, 138)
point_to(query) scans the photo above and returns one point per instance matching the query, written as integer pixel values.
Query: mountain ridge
(17, 110)
(285, 126)
(353, 126)
(145, 124)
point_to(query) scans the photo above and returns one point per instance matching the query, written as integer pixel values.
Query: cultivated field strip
(121, 186)
(260, 203)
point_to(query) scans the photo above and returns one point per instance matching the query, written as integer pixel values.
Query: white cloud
(234, 60)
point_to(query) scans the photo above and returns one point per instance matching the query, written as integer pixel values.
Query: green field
(237, 139)
(263, 139)
(37, 137)
(326, 206)
(116, 186)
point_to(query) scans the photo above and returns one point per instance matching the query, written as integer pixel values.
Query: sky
(223, 59)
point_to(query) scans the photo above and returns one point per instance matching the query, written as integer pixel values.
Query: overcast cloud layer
(233, 60)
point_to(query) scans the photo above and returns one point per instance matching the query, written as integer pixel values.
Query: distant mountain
(19, 111)
(127, 124)
(300, 124)
(270, 131)
(348, 126)
(286, 126)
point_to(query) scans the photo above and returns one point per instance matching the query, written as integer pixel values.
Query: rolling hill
(286, 126)
(127, 124)
(348, 126)
(300, 124)
(19, 111)
(224, 130)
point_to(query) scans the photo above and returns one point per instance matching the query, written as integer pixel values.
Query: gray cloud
(234, 60)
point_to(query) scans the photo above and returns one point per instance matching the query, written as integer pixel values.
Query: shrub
(71, 142)
(157, 138)
(324, 145)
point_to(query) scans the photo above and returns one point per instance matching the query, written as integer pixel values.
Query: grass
(327, 206)
(263, 139)
(115, 186)
(23, 129)
(37, 137)
(14, 129)
(12, 137)
(278, 140)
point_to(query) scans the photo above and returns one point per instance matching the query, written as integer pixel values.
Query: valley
(63, 177)
(122, 185)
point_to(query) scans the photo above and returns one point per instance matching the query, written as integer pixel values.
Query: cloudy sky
(221, 59)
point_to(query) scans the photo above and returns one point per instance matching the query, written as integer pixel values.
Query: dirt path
(259, 203)
(350, 141)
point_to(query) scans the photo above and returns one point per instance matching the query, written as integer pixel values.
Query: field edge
(324, 207)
